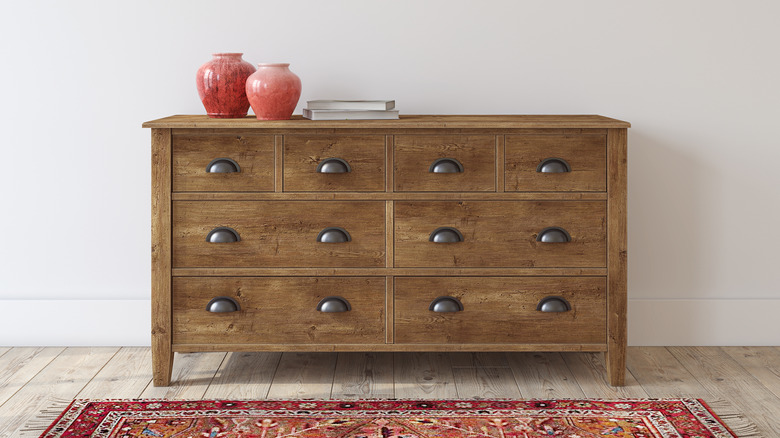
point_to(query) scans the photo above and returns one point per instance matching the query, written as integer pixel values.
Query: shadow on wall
(670, 234)
(668, 228)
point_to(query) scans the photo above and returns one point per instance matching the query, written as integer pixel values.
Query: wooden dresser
(428, 233)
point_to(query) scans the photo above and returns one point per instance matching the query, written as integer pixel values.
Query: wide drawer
(278, 234)
(444, 163)
(500, 234)
(500, 310)
(278, 310)
(556, 163)
(223, 163)
(334, 163)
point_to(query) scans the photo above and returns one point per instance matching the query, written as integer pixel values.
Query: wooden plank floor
(746, 378)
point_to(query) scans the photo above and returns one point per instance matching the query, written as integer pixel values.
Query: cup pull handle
(446, 305)
(334, 235)
(223, 305)
(553, 165)
(333, 165)
(553, 235)
(553, 305)
(333, 304)
(446, 165)
(223, 235)
(446, 235)
(223, 165)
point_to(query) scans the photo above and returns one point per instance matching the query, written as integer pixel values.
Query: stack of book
(350, 109)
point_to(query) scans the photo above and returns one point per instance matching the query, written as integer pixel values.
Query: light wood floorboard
(726, 379)
(60, 381)
(543, 375)
(745, 379)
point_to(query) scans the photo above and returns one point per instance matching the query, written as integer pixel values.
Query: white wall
(697, 79)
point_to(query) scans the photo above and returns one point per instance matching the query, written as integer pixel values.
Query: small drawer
(444, 163)
(556, 163)
(279, 310)
(244, 234)
(500, 234)
(334, 163)
(500, 310)
(223, 163)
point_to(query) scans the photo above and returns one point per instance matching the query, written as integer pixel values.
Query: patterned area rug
(679, 418)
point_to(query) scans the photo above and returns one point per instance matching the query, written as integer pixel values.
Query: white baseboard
(703, 322)
(128, 322)
(75, 323)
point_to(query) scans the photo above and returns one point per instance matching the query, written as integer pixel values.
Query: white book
(348, 115)
(376, 105)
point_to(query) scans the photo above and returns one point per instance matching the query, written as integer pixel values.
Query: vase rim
(273, 64)
(227, 54)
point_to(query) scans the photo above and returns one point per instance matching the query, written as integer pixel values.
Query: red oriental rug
(665, 418)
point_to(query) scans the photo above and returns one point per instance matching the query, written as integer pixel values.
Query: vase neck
(227, 55)
(266, 65)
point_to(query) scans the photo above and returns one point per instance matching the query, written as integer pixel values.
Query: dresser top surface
(405, 122)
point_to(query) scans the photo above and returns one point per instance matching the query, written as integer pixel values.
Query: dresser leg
(616, 368)
(162, 363)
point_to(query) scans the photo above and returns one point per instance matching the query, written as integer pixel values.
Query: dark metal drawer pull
(553, 304)
(223, 165)
(334, 235)
(553, 165)
(223, 235)
(446, 165)
(553, 235)
(445, 235)
(446, 305)
(334, 304)
(333, 165)
(223, 305)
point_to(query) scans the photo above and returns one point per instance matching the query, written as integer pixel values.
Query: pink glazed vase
(221, 83)
(273, 91)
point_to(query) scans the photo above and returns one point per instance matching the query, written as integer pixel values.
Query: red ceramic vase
(221, 84)
(273, 91)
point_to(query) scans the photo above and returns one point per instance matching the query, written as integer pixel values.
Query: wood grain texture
(617, 254)
(488, 383)
(661, 375)
(478, 360)
(126, 375)
(365, 155)
(278, 234)
(400, 196)
(726, 379)
(500, 163)
(490, 239)
(303, 375)
(543, 375)
(59, 381)
(590, 371)
(161, 256)
(406, 121)
(424, 376)
(499, 310)
(402, 272)
(20, 364)
(586, 154)
(389, 204)
(192, 376)
(269, 303)
(363, 375)
(227, 346)
(761, 362)
(414, 154)
(278, 163)
(253, 153)
(244, 376)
